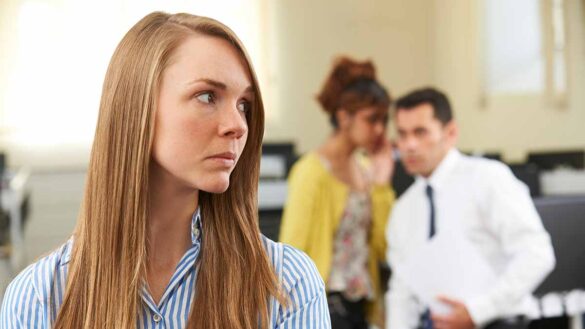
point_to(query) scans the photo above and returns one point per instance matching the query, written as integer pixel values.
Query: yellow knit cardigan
(316, 201)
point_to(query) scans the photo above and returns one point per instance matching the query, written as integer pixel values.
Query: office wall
(412, 42)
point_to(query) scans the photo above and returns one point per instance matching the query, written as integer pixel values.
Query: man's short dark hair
(438, 100)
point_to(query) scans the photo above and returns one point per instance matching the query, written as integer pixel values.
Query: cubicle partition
(564, 219)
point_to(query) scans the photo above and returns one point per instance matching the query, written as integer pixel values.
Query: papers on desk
(448, 265)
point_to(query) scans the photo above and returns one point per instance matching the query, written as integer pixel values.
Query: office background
(514, 71)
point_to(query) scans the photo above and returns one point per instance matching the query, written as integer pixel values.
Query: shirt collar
(439, 175)
(196, 233)
(196, 230)
(66, 252)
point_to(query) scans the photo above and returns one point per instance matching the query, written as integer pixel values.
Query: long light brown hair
(108, 265)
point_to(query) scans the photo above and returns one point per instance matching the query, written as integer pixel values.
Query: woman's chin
(215, 187)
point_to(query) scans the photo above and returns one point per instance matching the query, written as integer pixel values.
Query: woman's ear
(343, 118)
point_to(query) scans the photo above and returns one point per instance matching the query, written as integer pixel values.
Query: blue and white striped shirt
(34, 297)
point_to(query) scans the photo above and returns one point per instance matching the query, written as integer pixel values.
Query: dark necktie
(432, 228)
(426, 322)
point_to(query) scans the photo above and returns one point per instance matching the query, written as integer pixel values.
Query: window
(524, 49)
(558, 65)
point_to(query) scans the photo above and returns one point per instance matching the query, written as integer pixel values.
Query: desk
(14, 191)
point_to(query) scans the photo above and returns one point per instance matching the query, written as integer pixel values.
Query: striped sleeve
(21, 307)
(307, 307)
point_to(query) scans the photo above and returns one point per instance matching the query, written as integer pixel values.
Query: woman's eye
(244, 106)
(207, 97)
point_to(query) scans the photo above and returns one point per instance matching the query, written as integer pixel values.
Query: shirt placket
(155, 313)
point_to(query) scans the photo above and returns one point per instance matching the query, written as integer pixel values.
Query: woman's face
(200, 124)
(367, 127)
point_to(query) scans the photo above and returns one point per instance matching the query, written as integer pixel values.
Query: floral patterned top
(349, 272)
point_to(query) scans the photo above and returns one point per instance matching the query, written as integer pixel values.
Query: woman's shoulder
(312, 169)
(294, 267)
(309, 164)
(32, 288)
(303, 288)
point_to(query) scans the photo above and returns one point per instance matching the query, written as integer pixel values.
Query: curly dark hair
(352, 85)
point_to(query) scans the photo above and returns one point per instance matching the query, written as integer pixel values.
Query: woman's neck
(171, 209)
(338, 148)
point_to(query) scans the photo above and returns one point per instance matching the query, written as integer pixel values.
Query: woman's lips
(225, 158)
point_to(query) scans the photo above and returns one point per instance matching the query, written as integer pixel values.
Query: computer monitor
(550, 160)
(282, 154)
(529, 174)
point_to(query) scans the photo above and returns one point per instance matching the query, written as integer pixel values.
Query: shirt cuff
(481, 311)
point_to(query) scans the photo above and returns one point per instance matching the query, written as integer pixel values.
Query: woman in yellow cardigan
(339, 196)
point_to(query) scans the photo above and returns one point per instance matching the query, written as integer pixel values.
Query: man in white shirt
(478, 197)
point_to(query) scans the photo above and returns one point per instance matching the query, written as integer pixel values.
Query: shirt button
(157, 318)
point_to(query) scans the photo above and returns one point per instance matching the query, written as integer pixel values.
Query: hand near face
(459, 317)
(382, 162)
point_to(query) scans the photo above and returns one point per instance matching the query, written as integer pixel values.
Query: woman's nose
(233, 123)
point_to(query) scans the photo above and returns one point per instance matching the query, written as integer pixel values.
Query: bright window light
(53, 90)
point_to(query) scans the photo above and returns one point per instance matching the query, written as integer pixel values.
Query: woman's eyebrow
(250, 89)
(220, 85)
(212, 82)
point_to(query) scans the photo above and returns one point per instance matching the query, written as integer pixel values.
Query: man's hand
(459, 317)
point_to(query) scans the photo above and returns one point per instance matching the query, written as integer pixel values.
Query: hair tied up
(345, 72)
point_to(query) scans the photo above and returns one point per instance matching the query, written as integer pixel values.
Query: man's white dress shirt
(493, 209)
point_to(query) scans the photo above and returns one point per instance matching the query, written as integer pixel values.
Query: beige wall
(307, 35)
(413, 43)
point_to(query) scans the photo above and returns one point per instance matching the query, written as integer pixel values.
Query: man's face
(423, 140)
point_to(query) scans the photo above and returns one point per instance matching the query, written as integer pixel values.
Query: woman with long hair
(168, 235)
(339, 195)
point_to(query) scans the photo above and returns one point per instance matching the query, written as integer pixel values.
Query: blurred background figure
(339, 198)
(457, 195)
